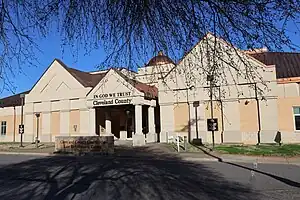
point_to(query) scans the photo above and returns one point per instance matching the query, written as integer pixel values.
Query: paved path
(142, 173)
(13, 159)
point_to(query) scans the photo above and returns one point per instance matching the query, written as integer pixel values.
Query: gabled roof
(287, 64)
(85, 78)
(92, 79)
(148, 90)
(11, 101)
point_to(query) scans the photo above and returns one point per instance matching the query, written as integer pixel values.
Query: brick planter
(84, 144)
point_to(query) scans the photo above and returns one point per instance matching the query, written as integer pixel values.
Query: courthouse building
(165, 98)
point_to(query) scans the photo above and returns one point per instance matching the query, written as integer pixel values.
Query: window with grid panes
(297, 118)
(3, 128)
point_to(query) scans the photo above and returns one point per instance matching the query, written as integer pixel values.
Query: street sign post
(21, 128)
(212, 124)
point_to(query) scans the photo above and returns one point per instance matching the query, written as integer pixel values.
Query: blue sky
(51, 48)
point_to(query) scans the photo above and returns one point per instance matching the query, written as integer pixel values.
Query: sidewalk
(207, 155)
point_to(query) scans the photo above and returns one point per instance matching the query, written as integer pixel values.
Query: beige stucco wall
(248, 116)
(55, 123)
(216, 114)
(9, 124)
(285, 110)
(181, 117)
(74, 121)
(7, 114)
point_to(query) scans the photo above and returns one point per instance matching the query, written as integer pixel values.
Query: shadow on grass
(132, 173)
(283, 180)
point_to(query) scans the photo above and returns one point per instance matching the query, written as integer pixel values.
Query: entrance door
(129, 127)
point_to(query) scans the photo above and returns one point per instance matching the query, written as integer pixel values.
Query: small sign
(21, 128)
(212, 124)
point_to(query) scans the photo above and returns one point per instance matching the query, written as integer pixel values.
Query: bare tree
(131, 31)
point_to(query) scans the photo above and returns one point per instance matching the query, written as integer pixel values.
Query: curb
(200, 159)
(25, 153)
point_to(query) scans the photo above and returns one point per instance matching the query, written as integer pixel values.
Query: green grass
(266, 150)
(257, 150)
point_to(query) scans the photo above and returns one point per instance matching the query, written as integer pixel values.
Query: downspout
(14, 136)
(222, 117)
(189, 112)
(258, 115)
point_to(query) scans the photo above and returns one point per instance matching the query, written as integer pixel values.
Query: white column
(92, 121)
(138, 138)
(138, 120)
(151, 121)
(151, 136)
(107, 123)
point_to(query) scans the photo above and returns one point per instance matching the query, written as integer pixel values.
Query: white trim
(294, 122)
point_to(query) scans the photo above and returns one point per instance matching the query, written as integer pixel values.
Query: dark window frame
(3, 127)
(296, 117)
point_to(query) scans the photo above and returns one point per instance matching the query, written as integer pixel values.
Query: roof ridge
(283, 52)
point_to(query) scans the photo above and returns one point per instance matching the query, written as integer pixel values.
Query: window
(297, 118)
(3, 128)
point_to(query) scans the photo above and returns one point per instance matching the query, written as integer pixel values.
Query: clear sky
(51, 48)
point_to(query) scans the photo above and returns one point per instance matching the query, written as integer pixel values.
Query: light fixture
(127, 112)
(247, 102)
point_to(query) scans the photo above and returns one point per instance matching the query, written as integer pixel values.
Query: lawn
(263, 149)
(258, 150)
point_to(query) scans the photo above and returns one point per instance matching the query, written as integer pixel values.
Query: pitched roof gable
(209, 34)
(84, 78)
(148, 90)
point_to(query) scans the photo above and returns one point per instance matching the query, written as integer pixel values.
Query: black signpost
(21, 128)
(212, 124)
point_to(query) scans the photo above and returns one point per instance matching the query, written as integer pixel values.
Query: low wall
(84, 144)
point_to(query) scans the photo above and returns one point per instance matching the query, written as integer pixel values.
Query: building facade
(252, 96)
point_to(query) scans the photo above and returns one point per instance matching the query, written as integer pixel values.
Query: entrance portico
(123, 108)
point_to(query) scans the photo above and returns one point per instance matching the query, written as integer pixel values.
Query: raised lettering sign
(112, 95)
(111, 102)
